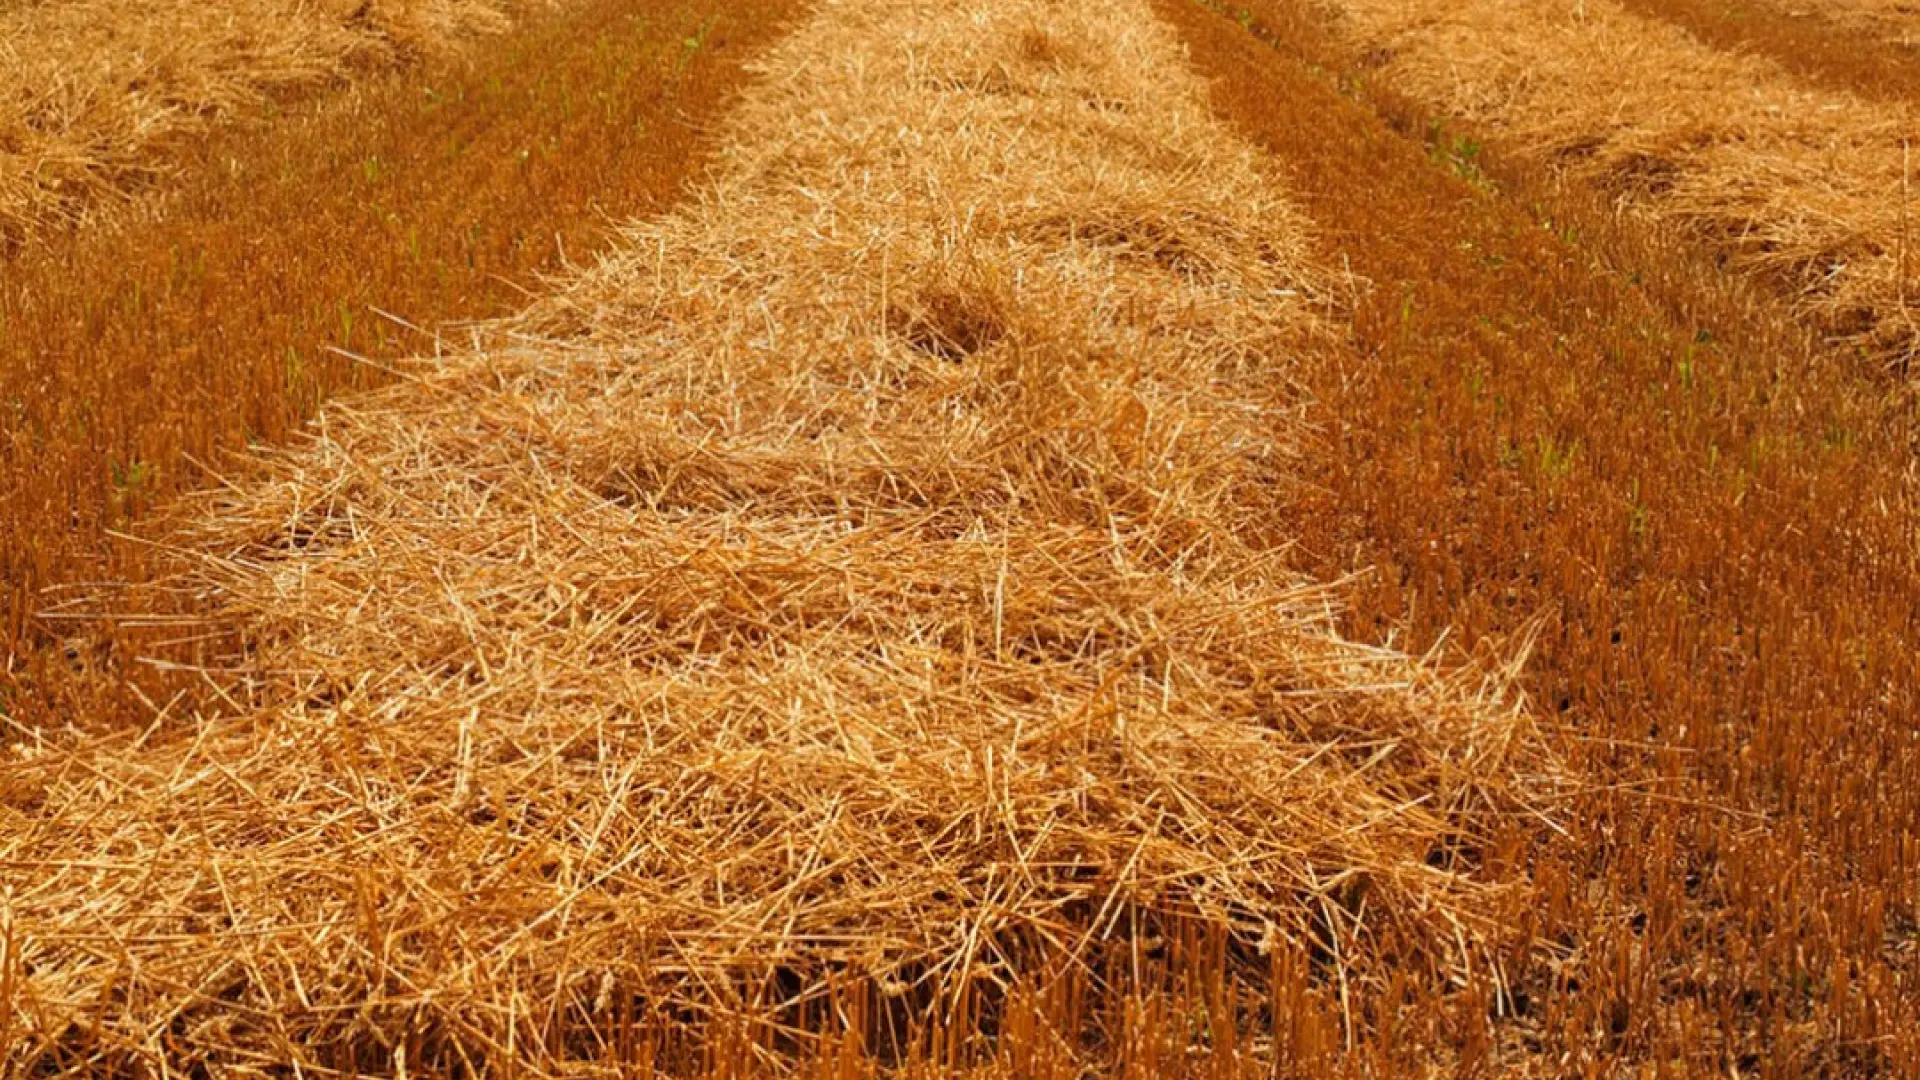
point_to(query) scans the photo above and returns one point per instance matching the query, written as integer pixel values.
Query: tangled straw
(871, 571)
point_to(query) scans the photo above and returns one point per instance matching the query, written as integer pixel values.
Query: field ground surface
(1351, 538)
(1890, 21)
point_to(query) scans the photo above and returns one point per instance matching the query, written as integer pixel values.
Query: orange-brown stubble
(1546, 414)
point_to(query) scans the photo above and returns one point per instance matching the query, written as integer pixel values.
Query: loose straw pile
(1811, 189)
(870, 572)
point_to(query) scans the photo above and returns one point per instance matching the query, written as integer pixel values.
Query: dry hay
(871, 571)
(1809, 188)
(89, 87)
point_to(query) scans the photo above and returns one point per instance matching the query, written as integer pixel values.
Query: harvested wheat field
(867, 574)
(1113, 540)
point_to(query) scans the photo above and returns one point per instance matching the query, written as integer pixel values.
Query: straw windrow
(871, 572)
